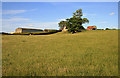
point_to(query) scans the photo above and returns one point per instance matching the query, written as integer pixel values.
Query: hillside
(90, 53)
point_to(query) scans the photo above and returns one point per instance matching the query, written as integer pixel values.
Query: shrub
(107, 29)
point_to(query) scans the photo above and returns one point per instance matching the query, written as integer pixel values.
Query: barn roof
(91, 26)
(29, 28)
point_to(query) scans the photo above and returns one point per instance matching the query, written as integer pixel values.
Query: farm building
(91, 28)
(23, 30)
(12, 32)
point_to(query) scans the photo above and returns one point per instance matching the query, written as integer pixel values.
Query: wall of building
(18, 30)
(30, 30)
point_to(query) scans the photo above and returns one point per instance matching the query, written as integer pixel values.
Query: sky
(47, 15)
(60, 0)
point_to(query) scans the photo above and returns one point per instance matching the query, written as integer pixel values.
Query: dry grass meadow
(90, 53)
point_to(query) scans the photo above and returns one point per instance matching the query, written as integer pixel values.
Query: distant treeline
(107, 29)
(100, 29)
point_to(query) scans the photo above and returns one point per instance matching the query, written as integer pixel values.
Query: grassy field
(90, 53)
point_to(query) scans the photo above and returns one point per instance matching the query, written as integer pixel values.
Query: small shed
(91, 28)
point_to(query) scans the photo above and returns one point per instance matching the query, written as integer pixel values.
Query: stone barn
(25, 30)
(91, 28)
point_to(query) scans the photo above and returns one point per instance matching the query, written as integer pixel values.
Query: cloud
(88, 14)
(111, 13)
(114, 26)
(62, 19)
(84, 14)
(10, 24)
(13, 11)
(15, 19)
(41, 25)
(30, 25)
(16, 11)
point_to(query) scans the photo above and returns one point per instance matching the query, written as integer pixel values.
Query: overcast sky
(44, 15)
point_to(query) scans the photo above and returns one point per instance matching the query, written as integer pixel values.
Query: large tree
(74, 24)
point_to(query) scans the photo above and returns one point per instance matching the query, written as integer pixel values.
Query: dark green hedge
(20, 34)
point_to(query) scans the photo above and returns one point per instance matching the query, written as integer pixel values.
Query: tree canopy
(62, 24)
(74, 24)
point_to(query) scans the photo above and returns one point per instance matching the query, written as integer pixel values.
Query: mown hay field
(90, 53)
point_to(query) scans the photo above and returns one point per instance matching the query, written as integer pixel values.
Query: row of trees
(74, 24)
